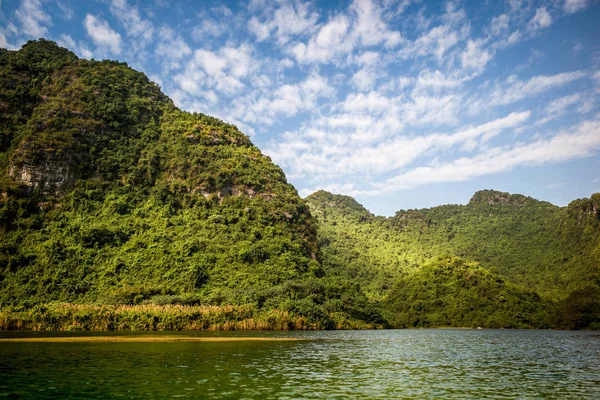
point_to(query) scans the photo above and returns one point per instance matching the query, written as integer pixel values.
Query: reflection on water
(350, 364)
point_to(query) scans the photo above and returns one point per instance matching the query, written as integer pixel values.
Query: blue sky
(401, 104)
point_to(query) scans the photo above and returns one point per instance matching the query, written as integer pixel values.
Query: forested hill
(112, 195)
(551, 251)
(120, 211)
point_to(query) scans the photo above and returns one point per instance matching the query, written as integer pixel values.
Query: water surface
(339, 364)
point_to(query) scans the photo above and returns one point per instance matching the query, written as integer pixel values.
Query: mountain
(112, 195)
(550, 252)
(120, 211)
(453, 292)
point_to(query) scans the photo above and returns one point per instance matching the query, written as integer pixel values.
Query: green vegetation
(541, 261)
(111, 195)
(120, 211)
(150, 317)
(452, 292)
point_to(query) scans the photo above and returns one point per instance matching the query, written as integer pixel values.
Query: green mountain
(452, 292)
(112, 195)
(543, 258)
(120, 211)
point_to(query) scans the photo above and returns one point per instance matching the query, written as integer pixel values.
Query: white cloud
(475, 57)
(348, 144)
(562, 103)
(509, 40)
(331, 41)
(33, 18)
(234, 61)
(516, 89)
(435, 110)
(223, 71)
(515, 5)
(67, 42)
(582, 141)
(286, 100)
(541, 19)
(438, 80)
(258, 29)
(499, 24)
(361, 26)
(286, 63)
(371, 103)
(453, 15)
(572, 6)
(370, 28)
(79, 49)
(436, 42)
(364, 79)
(67, 12)
(223, 10)
(207, 28)
(574, 103)
(133, 23)
(102, 35)
(4, 43)
(396, 84)
(289, 19)
(171, 49)
(441, 39)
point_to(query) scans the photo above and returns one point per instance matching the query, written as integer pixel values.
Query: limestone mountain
(551, 251)
(111, 194)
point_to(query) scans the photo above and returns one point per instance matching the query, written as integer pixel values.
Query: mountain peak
(586, 205)
(343, 204)
(497, 198)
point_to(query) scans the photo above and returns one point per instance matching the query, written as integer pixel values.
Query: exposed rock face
(495, 198)
(229, 190)
(586, 206)
(51, 176)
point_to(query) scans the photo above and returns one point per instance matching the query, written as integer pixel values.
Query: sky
(401, 104)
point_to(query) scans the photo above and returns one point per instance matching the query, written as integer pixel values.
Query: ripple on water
(353, 364)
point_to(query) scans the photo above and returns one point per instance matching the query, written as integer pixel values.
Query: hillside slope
(552, 251)
(110, 194)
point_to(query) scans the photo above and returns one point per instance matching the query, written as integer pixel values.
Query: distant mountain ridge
(494, 197)
(552, 251)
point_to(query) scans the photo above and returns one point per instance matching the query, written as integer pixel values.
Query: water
(342, 364)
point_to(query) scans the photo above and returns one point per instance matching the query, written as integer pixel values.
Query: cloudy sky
(399, 103)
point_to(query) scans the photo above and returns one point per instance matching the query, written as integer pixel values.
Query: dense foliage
(112, 195)
(120, 211)
(151, 317)
(452, 292)
(533, 247)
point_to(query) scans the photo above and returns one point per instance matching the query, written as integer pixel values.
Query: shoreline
(68, 317)
(144, 339)
(90, 317)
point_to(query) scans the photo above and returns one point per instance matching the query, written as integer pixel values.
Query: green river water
(338, 364)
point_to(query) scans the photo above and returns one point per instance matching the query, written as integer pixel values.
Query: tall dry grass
(68, 317)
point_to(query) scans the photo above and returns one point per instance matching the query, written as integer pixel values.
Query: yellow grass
(144, 339)
(89, 317)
